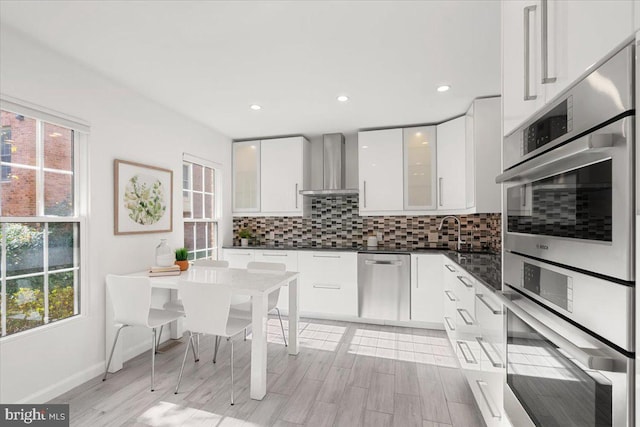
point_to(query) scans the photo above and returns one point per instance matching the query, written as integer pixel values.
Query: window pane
(25, 304)
(23, 137)
(62, 245)
(208, 206)
(58, 147)
(58, 194)
(197, 205)
(24, 248)
(6, 147)
(197, 177)
(201, 236)
(201, 254)
(188, 236)
(19, 193)
(61, 298)
(212, 235)
(208, 180)
(186, 204)
(186, 179)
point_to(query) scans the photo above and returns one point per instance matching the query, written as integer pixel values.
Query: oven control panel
(554, 287)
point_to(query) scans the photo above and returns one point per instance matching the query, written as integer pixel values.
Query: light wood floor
(346, 374)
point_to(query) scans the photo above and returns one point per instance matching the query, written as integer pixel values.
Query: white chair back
(203, 262)
(270, 266)
(131, 298)
(206, 307)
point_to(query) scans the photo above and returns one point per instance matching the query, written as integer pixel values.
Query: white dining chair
(244, 309)
(131, 298)
(207, 311)
(201, 262)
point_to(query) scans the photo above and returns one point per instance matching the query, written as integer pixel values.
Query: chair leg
(198, 346)
(184, 359)
(232, 373)
(281, 327)
(153, 359)
(159, 338)
(215, 353)
(113, 347)
(196, 357)
(245, 334)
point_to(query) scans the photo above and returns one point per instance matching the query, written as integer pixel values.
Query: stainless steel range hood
(333, 169)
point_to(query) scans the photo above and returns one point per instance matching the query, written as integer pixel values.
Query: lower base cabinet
(426, 288)
(328, 282)
(290, 260)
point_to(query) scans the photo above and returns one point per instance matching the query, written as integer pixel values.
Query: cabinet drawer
(488, 395)
(289, 259)
(329, 282)
(238, 258)
(326, 297)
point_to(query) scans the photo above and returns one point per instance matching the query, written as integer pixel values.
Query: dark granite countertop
(484, 266)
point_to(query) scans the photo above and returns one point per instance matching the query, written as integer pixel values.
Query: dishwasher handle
(389, 263)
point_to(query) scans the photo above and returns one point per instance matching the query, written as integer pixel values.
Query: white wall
(124, 125)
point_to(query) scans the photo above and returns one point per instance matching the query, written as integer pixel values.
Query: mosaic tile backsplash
(334, 222)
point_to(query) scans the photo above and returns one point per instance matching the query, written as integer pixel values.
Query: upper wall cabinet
(268, 174)
(285, 171)
(246, 176)
(452, 164)
(547, 44)
(380, 167)
(419, 168)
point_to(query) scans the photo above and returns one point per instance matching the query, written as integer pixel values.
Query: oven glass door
(553, 388)
(574, 204)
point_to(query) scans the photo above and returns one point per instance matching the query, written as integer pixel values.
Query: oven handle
(583, 151)
(587, 357)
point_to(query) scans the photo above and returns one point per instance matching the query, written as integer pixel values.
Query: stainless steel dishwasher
(384, 286)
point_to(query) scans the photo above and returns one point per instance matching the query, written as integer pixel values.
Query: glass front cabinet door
(419, 168)
(246, 176)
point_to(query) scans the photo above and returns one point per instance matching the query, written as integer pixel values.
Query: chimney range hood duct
(332, 169)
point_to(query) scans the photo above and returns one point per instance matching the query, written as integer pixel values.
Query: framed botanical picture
(143, 199)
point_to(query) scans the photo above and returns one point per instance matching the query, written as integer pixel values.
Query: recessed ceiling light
(418, 133)
(343, 98)
(365, 146)
(255, 107)
(443, 88)
(425, 142)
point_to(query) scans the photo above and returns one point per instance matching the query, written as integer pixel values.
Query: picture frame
(143, 198)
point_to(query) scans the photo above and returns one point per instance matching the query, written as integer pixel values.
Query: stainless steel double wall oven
(569, 254)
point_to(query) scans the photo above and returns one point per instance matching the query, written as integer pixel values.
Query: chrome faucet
(460, 241)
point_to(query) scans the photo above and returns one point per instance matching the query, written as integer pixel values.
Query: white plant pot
(244, 242)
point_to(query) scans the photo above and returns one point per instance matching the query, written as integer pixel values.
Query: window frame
(217, 205)
(4, 145)
(80, 194)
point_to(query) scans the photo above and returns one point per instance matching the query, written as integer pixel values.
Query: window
(200, 210)
(5, 152)
(40, 224)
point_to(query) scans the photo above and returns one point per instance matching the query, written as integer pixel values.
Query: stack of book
(173, 270)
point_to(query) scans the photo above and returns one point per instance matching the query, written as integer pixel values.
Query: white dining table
(257, 284)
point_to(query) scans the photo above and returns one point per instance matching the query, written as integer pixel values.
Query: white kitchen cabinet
(419, 168)
(328, 282)
(238, 258)
(451, 159)
(548, 44)
(426, 288)
(285, 170)
(380, 169)
(289, 259)
(246, 176)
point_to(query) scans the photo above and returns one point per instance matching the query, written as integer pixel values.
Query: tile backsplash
(334, 222)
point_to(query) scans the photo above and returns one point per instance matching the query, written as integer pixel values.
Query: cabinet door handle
(484, 301)
(469, 359)
(274, 255)
(450, 295)
(388, 263)
(296, 195)
(364, 193)
(464, 319)
(545, 43)
(244, 254)
(484, 350)
(481, 386)
(417, 274)
(440, 190)
(448, 321)
(326, 256)
(527, 53)
(322, 286)
(464, 282)
(450, 268)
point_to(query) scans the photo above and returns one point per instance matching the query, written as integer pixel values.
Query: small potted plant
(245, 235)
(181, 258)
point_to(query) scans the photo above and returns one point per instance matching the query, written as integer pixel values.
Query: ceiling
(212, 60)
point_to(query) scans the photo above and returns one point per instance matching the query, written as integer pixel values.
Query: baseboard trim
(65, 385)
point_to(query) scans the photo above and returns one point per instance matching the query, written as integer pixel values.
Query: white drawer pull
(469, 359)
(481, 386)
(322, 286)
(467, 322)
(450, 295)
(484, 301)
(450, 268)
(327, 256)
(449, 324)
(464, 282)
(484, 349)
(274, 255)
